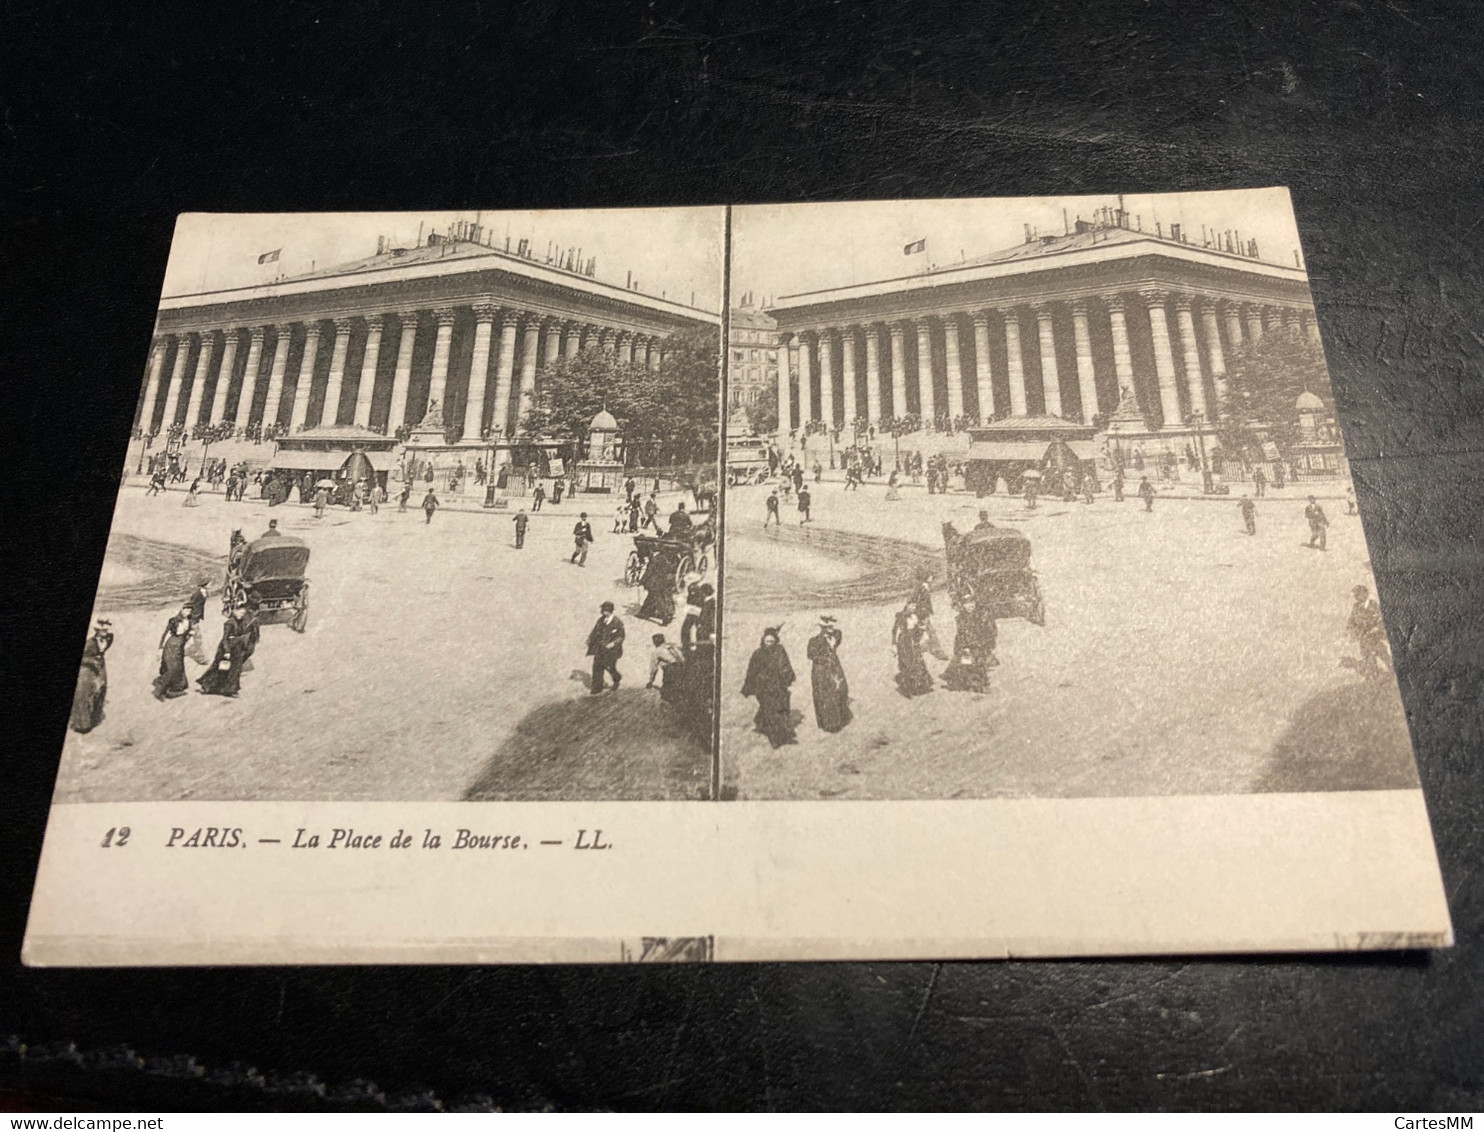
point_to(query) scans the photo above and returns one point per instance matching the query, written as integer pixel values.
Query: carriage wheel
(704, 564)
(633, 570)
(301, 610)
(684, 567)
(1037, 614)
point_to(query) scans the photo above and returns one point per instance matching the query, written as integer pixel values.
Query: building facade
(375, 343)
(1059, 326)
(752, 373)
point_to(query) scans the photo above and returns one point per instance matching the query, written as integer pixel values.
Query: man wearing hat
(605, 646)
(1318, 523)
(196, 605)
(582, 538)
(272, 531)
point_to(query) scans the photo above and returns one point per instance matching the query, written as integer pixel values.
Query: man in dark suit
(605, 646)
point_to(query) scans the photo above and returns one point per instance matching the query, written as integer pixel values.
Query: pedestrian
(92, 680)
(373, 497)
(892, 494)
(1118, 486)
(196, 604)
(582, 538)
(1249, 514)
(620, 518)
(1279, 474)
(556, 491)
(769, 675)
(239, 640)
(520, 520)
(805, 499)
(156, 483)
(430, 504)
(659, 584)
(827, 677)
(913, 678)
(1032, 489)
(1350, 508)
(605, 646)
(321, 501)
(538, 497)
(404, 496)
(664, 661)
(628, 489)
(1259, 481)
(651, 513)
(193, 496)
(974, 638)
(818, 471)
(1318, 523)
(1366, 626)
(1146, 493)
(772, 505)
(171, 681)
(922, 602)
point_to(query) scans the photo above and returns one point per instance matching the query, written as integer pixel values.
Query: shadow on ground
(616, 746)
(1353, 737)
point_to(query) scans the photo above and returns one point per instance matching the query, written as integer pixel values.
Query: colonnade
(887, 379)
(509, 346)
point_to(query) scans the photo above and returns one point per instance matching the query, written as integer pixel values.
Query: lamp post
(1199, 421)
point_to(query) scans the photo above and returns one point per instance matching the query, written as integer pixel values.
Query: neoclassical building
(753, 370)
(1057, 326)
(375, 342)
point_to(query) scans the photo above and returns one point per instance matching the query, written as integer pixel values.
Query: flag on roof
(915, 247)
(270, 257)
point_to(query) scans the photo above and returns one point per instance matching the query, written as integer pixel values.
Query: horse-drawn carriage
(690, 553)
(989, 570)
(267, 576)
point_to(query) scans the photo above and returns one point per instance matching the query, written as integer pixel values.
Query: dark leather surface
(115, 119)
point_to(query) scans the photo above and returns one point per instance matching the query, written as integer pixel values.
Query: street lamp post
(1199, 420)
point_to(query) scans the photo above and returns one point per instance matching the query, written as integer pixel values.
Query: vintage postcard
(958, 578)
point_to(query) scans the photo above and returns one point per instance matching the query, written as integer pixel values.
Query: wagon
(269, 579)
(991, 568)
(689, 555)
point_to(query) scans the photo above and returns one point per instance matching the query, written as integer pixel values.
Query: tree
(668, 415)
(1264, 380)
(762, 416)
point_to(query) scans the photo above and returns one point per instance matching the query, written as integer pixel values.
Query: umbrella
(331, 484)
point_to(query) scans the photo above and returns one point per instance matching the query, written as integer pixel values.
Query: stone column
(1254, 321)
(177, 379)
(329, 414)
(370, 360)
(873, 374)
(1050, 375)
(1195, 382)
(806, 380)
(224, 376)
(1311, 325)
(1123, 358)
(152, 383)
(1015, 364)
(925, 397)
(1087, 381)
(1215, 356)
(552, 349)
(606, 340)
(983, 375)
(954, 366)
(785, 405)
(571, 340)
(847, 374)
(1234, 324)
(275, 373)
(438, 383)
(898, 369)
(527, 395)
(504, 374)
(396, 414)
(656, 352)
(479, 369)
(1164, 358)
(827, 377)
(249, 388)
(198, 381)
(302, 388)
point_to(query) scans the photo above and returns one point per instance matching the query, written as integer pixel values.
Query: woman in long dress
(92, 681)
(171, 681)
(769, 675)
(659, 586)
(239, 639)
(827, 677)
(913, 678)
(892, 494)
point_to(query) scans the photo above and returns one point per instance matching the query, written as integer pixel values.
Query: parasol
(331, 484)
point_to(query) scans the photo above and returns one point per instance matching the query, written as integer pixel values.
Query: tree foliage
(666, 416)
(1264, 380)
(762, 415)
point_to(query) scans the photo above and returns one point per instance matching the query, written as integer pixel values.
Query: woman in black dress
(769, 675)
(239, 639)
(913, 678)
(171, 681)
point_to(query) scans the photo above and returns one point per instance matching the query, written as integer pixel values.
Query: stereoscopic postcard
(941, 579)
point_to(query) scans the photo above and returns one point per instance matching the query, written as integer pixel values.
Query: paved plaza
(439, 663)
(1180, 655)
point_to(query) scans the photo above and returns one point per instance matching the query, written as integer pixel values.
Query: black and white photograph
(1042, 498)
(417, 506)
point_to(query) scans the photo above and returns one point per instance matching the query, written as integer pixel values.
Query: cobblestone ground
(1180, 655)
(439, 663)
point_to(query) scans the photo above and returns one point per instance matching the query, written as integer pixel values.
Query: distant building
(753, 374)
